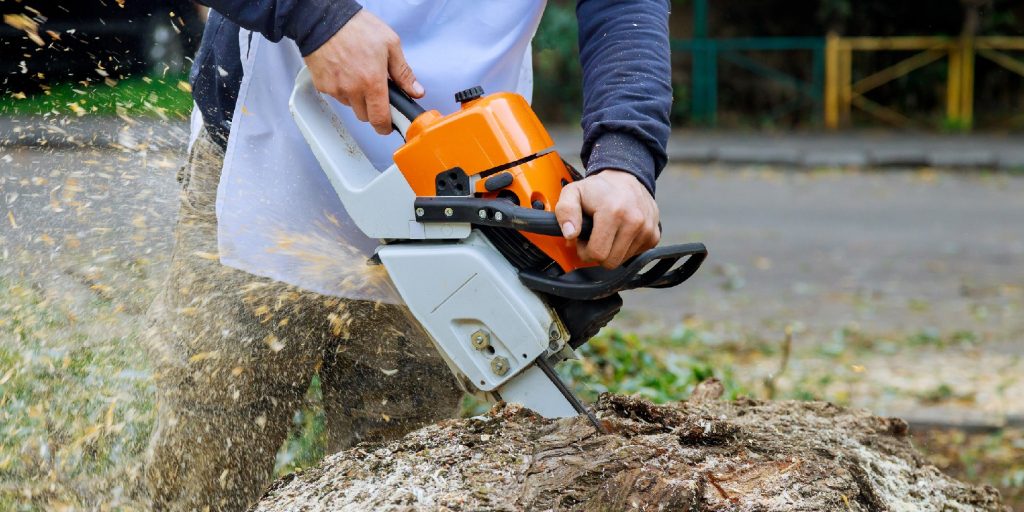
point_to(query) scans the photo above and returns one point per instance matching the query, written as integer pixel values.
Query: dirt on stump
(701, 455)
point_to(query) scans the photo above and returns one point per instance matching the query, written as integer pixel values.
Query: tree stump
(702, 455)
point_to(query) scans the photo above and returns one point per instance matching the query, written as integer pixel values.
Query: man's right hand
(353, 66)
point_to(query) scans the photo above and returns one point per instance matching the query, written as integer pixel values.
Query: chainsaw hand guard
(656, 268)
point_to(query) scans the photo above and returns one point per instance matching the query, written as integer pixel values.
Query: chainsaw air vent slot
(515, 163)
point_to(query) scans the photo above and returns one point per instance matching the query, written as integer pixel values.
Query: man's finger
(640, 244)
(569, 211)
(599, 246)
(625, 239)
(358, 105)
(378, 111)
(401, 73)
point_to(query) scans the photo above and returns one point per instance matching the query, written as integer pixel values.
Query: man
(268, 286)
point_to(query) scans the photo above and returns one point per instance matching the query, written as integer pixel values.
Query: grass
(994, 458)
(75, 408)
(623, 363)
(164, 97)
(76, 399)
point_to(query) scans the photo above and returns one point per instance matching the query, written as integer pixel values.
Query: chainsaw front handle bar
(656, 268)
(485, 212)
(495, 213)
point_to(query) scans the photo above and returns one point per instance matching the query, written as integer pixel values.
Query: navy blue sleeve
(627, 86)
(310, 23)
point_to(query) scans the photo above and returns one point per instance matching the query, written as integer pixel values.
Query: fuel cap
(469, 94)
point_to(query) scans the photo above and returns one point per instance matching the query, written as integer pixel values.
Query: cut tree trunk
(702, 455)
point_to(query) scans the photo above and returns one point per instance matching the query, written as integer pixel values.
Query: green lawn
(76, 405)
(164, 97)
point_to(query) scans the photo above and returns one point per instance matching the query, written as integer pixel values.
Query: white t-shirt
(277, 214)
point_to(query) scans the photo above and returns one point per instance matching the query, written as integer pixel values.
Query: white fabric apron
(277, 214)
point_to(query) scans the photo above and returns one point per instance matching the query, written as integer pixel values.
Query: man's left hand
(624, 212)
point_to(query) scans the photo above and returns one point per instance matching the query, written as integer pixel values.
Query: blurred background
(856, 168)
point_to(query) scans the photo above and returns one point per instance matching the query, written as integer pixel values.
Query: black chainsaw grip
(543, 222)
(488, 212)
(402, 102)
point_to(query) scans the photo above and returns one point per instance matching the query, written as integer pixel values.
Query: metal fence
(832, 88)
(843, 93)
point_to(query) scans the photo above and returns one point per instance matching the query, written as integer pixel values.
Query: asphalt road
(885, 251)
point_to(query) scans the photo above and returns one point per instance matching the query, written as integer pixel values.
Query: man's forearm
(627, 87)
(309, 23)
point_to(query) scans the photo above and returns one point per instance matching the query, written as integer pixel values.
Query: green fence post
(697, 81)
(700, 19)
(711, 73)
(704, 71)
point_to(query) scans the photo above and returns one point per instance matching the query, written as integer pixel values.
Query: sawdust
(742, 455)
(323, 252)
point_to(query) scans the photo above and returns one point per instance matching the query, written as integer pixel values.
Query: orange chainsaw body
(488, 136)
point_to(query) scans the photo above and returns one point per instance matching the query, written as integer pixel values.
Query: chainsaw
(469, 239)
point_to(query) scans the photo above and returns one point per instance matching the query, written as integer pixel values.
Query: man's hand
(625, 216)
(354, 64)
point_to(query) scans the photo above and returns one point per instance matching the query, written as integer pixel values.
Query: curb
(799, 150)
(98, 131)
(972, 423)
(845, 150)
(1008, 159)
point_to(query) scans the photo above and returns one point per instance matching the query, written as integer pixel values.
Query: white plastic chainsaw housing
(458, 289)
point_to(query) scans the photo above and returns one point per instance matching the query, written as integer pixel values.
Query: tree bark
(703, 455)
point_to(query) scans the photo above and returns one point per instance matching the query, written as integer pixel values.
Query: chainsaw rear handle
(404, 110)
(378, 202)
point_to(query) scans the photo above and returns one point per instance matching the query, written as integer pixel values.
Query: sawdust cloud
(85, 241)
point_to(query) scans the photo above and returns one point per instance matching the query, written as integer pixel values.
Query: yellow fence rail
(842, 93)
